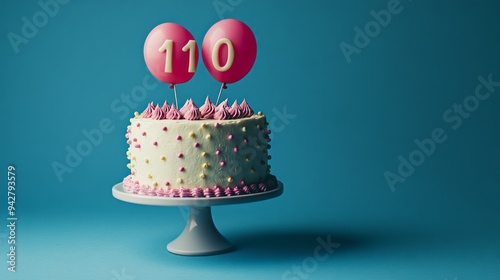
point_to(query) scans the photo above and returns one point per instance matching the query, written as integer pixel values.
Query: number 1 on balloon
(167, 48)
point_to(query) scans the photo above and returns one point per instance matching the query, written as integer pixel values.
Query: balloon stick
(175, 95)
(223, 86)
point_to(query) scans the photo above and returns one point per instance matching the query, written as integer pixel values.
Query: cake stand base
(200, 236)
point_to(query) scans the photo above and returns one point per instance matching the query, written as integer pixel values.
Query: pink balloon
(166, 60)
(218, 41)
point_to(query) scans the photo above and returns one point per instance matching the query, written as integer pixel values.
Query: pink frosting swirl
(229, 192)
(174, 193)
(192, 112)
(245, 109)
(197, 192)
(158, 113)
(165, 108)
(222, 111)
(148, 111)
(235, 110)
(208, 192)
(173, 114)
(218, 192)
(207, 110)
(185, 192)
(132, 186)
(237, 190)
(187, 106)
(253, 188)
(246, 189)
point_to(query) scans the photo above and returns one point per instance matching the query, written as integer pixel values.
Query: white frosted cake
(207, 152)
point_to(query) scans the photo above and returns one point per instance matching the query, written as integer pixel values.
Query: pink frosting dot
(230, 137)
(129, 142)
(164, 128)
(138, 146)
(235, 149)
(182, 169)
(167, 183)
(196, 145)
(179, 137)
(155, 143)
(138, 124)
(217, 152)
(222, 163)
(135, 139)
(216, 124)
(144, 133)
(180, 155)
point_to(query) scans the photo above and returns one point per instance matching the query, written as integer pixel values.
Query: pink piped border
(131, 186)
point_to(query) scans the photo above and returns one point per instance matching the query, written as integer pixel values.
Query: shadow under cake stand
(200, 236)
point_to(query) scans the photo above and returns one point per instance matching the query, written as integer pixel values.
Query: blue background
(350, 123)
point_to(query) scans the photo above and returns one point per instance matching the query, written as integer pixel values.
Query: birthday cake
(210, 151)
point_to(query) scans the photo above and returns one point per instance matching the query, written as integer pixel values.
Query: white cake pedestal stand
(200, 236)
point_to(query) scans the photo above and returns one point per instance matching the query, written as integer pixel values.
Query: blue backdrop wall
(385, 133)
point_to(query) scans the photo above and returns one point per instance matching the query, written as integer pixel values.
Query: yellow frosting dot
(259, 113)
(252, 170)
(191, 134)
(229, 179)
(163, 158)
(204, 154)
(133, 158)
(136, 114)
(203, 125)
(203, 176)
(180, 181)
(146, 160)
(150, 176)
(205, 165)
(208, 136)
(155, 184)
(244, 129)
(129, 153)
(129, 166)
(247, 159)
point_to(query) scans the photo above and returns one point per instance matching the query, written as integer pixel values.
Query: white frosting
(209, 152)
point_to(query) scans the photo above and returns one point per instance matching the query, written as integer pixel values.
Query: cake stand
(200, 236)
